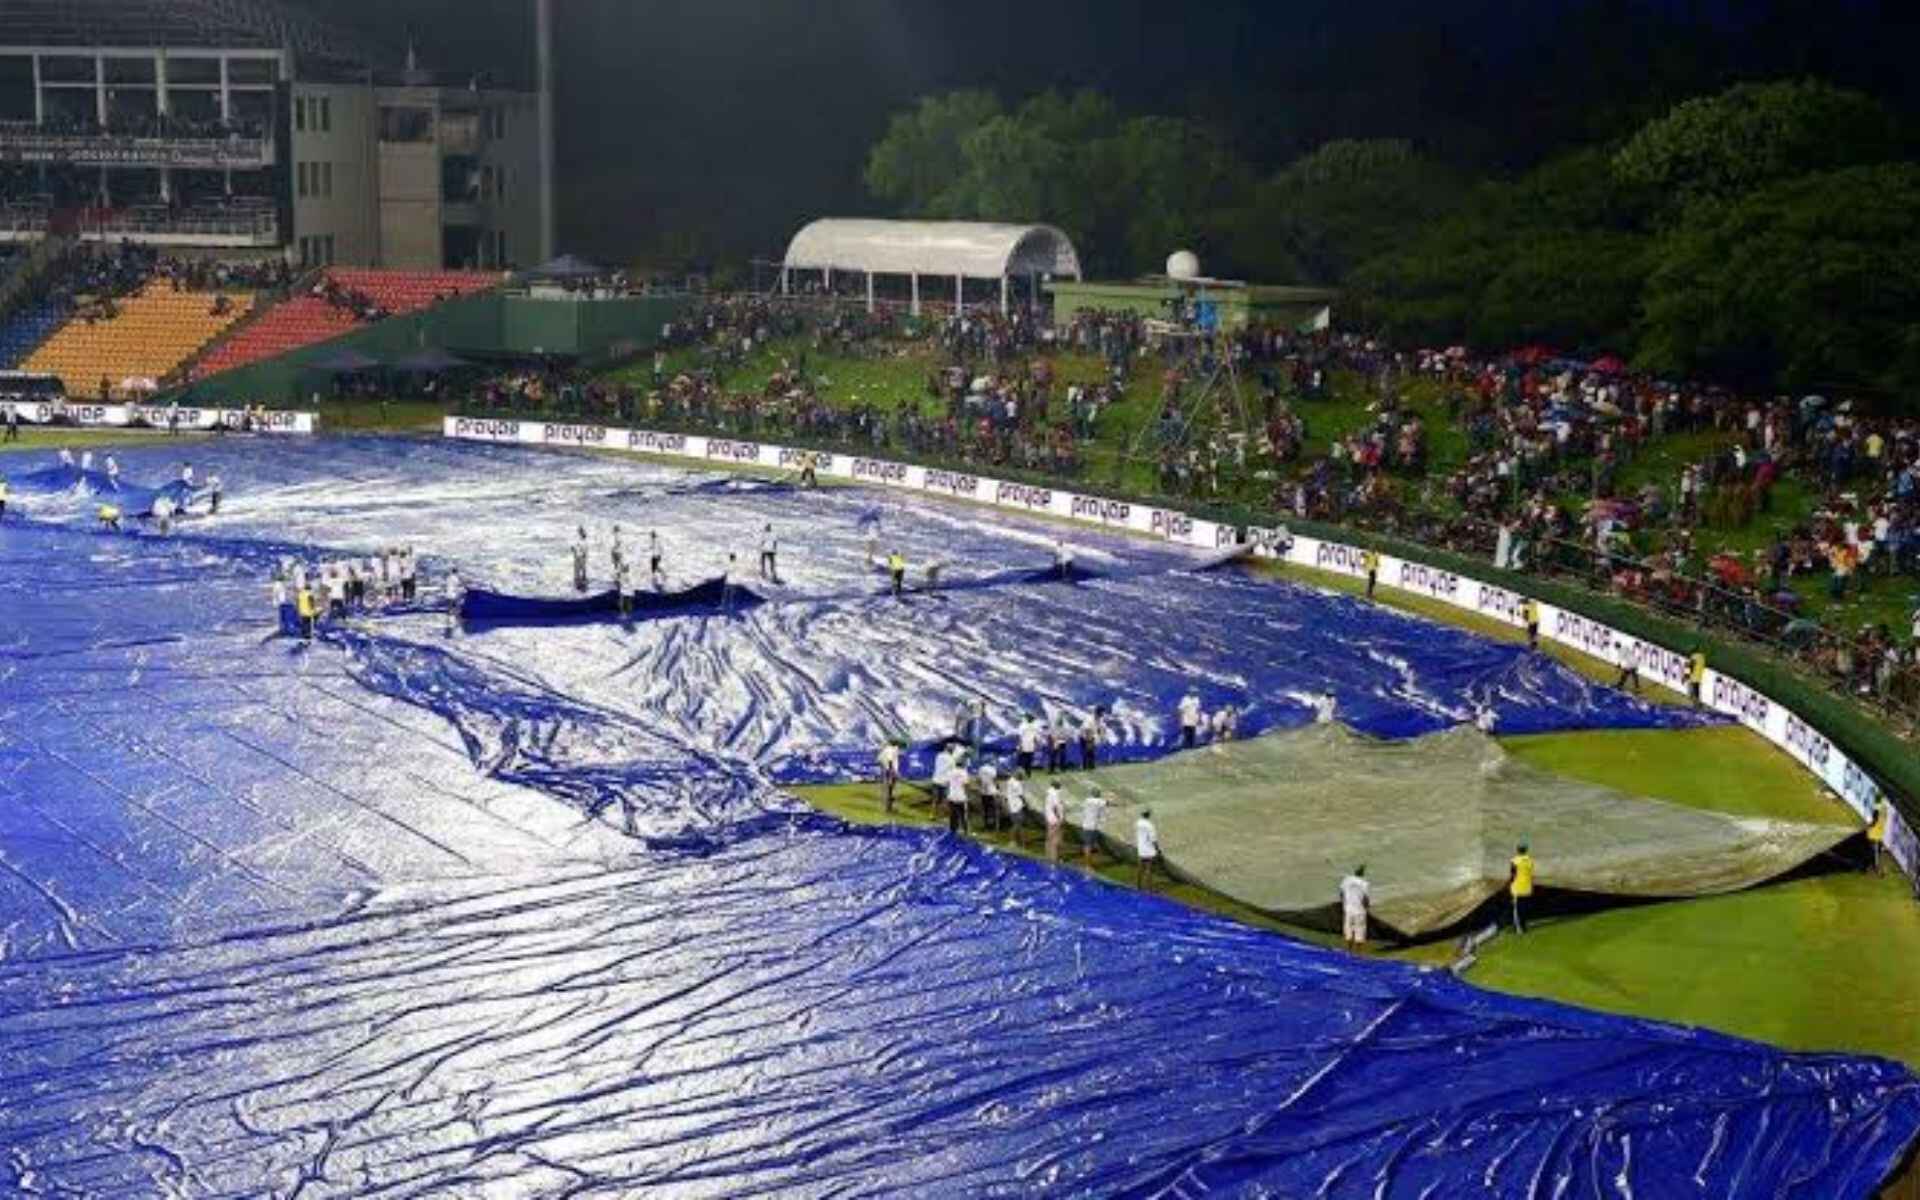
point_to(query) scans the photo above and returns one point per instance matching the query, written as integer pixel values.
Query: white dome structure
(1183, 264)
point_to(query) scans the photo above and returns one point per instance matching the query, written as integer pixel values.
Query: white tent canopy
(957, 250)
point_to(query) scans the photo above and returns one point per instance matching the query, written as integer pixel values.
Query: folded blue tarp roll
(483, 606)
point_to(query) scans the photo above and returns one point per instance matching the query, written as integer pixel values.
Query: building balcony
(229, 227)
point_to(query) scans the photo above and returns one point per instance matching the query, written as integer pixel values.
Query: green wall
(489, 325)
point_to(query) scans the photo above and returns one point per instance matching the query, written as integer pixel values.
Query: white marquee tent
(957, 250)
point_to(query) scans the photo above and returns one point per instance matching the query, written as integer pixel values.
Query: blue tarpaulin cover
(523, 910)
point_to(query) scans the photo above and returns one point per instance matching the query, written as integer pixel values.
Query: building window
(306, 253)
(300, 114)
(500, 184)
(327, 249)
(326, 179)
(326, 117)
(500, 248)
(300, 176)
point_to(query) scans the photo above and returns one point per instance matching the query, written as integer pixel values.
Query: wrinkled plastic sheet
(1277, 821)
(523, 912)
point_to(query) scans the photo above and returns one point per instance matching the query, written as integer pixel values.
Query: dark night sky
(739, 120)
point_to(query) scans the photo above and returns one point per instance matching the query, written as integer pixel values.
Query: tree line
(1768, 235)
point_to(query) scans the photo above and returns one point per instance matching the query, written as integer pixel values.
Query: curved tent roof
(975, 249)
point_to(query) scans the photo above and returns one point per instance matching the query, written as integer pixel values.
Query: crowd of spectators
(122, 123)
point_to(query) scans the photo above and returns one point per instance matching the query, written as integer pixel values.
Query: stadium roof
(197, 24)
(974, 249)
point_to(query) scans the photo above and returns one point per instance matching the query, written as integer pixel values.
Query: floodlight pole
(543, 65)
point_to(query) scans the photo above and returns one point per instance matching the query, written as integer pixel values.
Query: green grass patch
(1828, 963)
(1695, 767)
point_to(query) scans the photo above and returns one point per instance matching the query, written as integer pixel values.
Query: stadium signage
(1668, 667)
(578, 435)
(1808, 744)
(1174, 526)
(1418, 577)
(802, 459)
(155, 152)
(125, 416)
(1107, 512)
(1731, 696)
(1021, 495)
(879, 471)
(1332, 556)
(952, 483)
(493, 431)
(733, 451)
(656, 443)
(1582, 634)
(1498, 601)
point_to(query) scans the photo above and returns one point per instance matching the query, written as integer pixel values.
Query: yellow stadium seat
(155, 331)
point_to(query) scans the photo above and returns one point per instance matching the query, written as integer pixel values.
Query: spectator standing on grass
(1355, 904)
(1520, 883)
(1696, 675)
(957, 799)
(942, 767)
(1028, 740)
(989, 777)
(1371, 561)
(1146, 848)
(1189, 719)
(1016, 807)
(1093, 810)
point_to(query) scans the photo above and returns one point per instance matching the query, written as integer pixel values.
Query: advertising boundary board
(1720, 692)
(1168, 525)
(122, 416)
(1661, 664)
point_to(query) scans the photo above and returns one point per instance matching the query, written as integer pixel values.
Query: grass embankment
(897, 377)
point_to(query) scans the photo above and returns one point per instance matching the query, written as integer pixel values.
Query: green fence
(488, 326)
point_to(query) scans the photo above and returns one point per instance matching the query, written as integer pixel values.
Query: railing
(259, 227)
(1849, 667)
(25, 218)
